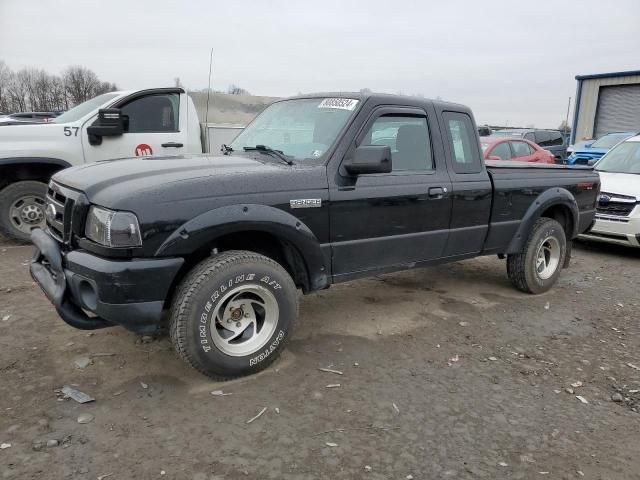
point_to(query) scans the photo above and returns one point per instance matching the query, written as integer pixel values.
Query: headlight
(113, 229)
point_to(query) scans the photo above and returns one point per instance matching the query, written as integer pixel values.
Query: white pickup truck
(159, 121)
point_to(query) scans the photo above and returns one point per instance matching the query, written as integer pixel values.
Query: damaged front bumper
(91, 292)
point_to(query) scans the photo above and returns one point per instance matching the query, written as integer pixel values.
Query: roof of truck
(380, 97)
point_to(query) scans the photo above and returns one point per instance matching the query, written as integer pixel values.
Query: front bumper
(615, 229)
(90, 292)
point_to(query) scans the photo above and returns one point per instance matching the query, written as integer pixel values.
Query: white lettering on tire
(274, 345)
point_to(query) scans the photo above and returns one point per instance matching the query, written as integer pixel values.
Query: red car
(521, 150)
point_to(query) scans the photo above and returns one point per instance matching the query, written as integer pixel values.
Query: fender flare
(549, 198)
(206, 227)
(28, 160)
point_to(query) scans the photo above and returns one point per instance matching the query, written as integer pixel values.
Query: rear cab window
(463, 143)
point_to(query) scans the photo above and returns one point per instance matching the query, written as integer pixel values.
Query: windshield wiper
(270, 151)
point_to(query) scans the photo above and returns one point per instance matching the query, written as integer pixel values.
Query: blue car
(591, 152)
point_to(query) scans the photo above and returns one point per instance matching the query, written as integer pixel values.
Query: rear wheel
(22, 208)
(233, 314)
(538, 266)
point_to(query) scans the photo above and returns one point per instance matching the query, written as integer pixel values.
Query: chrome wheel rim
(244, 320)
(548, 258)
(27, 213)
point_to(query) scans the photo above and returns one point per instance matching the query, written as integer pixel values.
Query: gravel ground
(448, 372)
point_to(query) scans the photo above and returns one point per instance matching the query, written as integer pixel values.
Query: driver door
(385, 220)
(154, 127)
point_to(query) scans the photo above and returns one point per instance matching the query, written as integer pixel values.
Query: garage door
(618, 109)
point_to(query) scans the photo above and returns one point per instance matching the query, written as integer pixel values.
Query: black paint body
(366, 224)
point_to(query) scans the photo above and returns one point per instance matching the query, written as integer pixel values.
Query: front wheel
(22, 208)
(538, 266)
(233, 314)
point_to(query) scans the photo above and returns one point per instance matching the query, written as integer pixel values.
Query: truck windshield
(79, 111)
(301, 128)
(625, 158)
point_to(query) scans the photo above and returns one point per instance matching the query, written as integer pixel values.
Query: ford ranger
(317, 190)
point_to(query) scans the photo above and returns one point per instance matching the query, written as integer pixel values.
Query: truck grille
(59, 205)
(613, 204)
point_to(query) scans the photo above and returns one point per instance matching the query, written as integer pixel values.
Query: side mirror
(493, 157)
(369, 159)
(110, 123)
(588, 145)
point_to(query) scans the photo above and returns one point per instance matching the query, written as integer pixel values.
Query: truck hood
(621, 183)
(123, 184)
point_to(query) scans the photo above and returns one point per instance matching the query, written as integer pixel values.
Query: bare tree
(5, 80)
(80, 83)
(35, 89)
(18, 91)
(236, 90)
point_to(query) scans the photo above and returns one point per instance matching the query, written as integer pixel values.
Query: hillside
(227, 108)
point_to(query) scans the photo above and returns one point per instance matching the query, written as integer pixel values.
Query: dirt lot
(448, 373)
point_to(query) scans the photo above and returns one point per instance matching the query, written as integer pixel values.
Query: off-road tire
(203, 291)
(521, 267)
(8, 196)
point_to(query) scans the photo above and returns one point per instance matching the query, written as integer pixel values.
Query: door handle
(172, 144)
(437, 192)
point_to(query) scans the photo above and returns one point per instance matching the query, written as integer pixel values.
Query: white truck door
(156, 126)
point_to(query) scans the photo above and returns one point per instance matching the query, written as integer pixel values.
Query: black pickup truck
(317, 190)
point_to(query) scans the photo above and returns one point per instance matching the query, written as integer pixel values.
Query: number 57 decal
(67, 131)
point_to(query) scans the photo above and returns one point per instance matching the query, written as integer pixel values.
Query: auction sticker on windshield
(339, 103)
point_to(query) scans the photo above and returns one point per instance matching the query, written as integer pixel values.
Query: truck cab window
(463, 143)
(153, 113)
(408, 139)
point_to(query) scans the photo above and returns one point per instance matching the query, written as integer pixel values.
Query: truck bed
(516, 183)
(502, 165)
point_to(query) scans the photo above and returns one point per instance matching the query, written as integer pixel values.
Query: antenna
(206, 115)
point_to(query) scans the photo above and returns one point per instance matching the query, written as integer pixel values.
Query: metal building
(606, 102)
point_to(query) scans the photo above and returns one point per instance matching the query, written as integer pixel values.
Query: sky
(513, 62)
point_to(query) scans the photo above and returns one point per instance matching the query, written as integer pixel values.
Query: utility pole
(566, 122)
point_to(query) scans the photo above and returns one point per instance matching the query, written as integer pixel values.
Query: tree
(80, 84)
(18, 91)
(35, 89)
(5, 80)
(236, 90)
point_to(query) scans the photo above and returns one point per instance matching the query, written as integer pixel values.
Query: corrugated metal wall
(589, 102)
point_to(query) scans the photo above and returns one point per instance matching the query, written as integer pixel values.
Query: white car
(618, 209)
